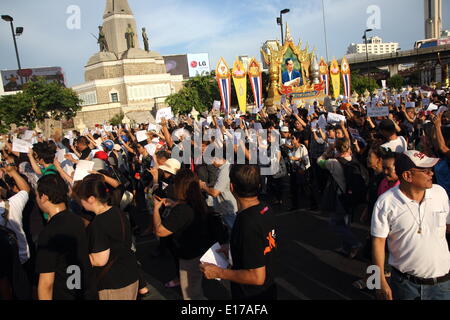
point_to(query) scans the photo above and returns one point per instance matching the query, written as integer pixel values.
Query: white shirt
(398, 145)
(396, 217)
(16, 205)
(225, 203)
(302, 153)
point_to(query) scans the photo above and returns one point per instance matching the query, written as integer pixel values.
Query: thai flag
(347, 85)
(225, 93)
(326, 80)
(257, 91)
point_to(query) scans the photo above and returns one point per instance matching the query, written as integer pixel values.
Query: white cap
(172, 166)
(414, 159)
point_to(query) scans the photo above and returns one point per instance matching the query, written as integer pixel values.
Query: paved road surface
(310, 269)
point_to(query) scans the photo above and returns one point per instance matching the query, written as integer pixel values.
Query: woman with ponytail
(187, 222)
(109, 241)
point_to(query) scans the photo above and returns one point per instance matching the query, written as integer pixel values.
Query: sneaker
(172, 284)
(360, 284)
(342, 251)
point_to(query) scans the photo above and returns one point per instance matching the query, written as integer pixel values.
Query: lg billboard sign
(198, 64)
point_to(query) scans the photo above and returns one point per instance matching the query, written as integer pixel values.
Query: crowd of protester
(353, 169)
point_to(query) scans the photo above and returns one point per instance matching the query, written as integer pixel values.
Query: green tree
(396, 82)
(38, 101)
(117, 119)
(360, 83)
(199, 93)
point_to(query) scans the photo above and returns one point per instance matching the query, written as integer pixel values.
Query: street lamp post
(280, 22)
(367, 53)
(19, 32)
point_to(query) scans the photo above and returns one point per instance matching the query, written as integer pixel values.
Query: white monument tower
(122, 77)
(116, 19)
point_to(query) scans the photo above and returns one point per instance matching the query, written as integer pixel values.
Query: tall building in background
(375, 45)
(433, 18)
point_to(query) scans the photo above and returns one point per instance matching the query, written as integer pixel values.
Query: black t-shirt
(105, 232)
(85, 153)
(189, 232)
(253, 245)
(63, 243)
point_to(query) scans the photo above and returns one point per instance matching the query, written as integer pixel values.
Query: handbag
(282, 170)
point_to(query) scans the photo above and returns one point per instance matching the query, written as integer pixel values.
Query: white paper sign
(373, 112)
(216, 105)
(152, 127)
(164, 113)
(179, 133)
(322, 122)
(335, 118)
(425, 102)
(83, 168)
(442, 109)
(28, 135)
(69, 170)
(60, 155)
(311, 110)
(410, 105)
(432, 107)
(151, 149)
(21, 146)
(213, 257)
(108, 128)
(141, 136)
(354, 133)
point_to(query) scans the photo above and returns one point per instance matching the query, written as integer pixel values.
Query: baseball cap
(108, 144)
(172, 166)
(413, 159)
(284, 129)
(101, 155)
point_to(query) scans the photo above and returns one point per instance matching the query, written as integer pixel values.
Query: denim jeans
(403, 289)
(228, 220)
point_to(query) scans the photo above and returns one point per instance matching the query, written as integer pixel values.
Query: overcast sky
(227, 28)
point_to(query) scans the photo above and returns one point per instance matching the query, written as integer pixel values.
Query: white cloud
(222, 28)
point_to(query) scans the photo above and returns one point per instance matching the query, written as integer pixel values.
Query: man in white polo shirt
(414, 218)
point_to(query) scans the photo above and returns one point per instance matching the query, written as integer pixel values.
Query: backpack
(356, 181)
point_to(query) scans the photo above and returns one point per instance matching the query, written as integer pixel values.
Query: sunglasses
(426, 171)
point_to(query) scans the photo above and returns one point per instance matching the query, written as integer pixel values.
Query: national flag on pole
(255, 75)
(346, 77)
(324, 76)
(223, 77)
